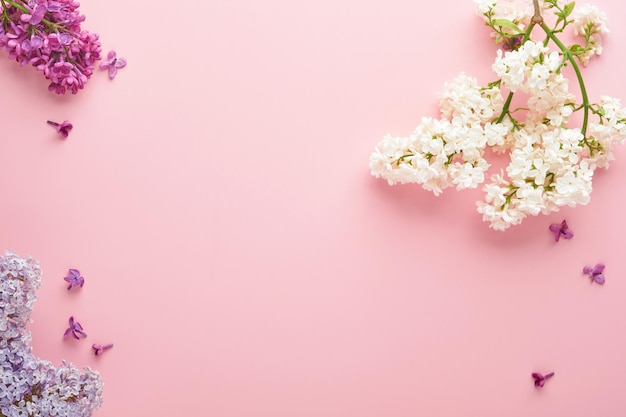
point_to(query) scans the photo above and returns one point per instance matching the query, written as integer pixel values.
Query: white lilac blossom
(551, 160)
(30, 386)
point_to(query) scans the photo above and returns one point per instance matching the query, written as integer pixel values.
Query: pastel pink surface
(216, 197)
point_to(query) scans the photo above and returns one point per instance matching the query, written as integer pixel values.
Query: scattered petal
(112, 64)
(74, 279)
(75, 329)
(63, 129)
(599, 278)
(29, 385)
(595, 273)
(99, 349)
(540, 379)
(561, 230)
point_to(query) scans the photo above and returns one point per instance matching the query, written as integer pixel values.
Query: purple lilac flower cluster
(30, 386)
(47, 35)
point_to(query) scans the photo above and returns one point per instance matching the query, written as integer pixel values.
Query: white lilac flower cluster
(551, 163)
(30, 386)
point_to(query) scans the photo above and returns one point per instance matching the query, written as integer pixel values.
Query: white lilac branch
(552, 161)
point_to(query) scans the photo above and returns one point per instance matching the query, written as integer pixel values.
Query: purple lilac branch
(46, 34)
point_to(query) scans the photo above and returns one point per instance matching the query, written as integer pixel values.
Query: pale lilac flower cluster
(47, 35)
(30, 386)
(551, 163)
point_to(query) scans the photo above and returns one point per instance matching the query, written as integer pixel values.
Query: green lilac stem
(536, 19)
(581, 83)
(505, 108)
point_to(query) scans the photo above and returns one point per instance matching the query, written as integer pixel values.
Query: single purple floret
(38, 13)
(561, 231)
(99, 349)
(540, 379)
(75, 329)
(512, 44)
(63, 129)
(595, 273)
(74, 279)
(113, 63)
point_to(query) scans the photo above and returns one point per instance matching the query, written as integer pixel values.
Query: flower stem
(505, 108)
(536, 19)
(581, 83)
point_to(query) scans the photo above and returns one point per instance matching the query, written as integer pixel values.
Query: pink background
(216, 196)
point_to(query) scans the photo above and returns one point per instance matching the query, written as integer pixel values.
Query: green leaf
(576, 49)
(505, 23)
(569, 8)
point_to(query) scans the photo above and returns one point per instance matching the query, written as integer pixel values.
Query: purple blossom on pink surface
(99, 349)
(596, 273)
(113, 63)
(561, 230)
(74, 279)
(47, 35)
(75, 329)
(63, 129)
(540, 379)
